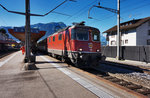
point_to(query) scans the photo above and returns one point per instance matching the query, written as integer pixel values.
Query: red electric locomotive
(78, 43)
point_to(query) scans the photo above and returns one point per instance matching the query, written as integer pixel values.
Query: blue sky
(103, 19)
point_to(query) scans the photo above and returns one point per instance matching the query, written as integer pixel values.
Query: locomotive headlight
(80, 49)
(81, 56)
(97, 50)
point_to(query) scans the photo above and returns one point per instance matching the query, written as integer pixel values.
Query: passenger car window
(60, 37)
(53, 38)
(49, 39)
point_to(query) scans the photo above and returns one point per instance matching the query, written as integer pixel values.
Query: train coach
(79, 44)
(42, 46)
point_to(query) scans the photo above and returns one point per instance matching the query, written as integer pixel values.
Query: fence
(137, 53)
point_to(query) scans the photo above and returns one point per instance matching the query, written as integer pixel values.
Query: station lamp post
(118, 24)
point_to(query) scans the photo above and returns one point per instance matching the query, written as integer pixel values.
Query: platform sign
(22, 29)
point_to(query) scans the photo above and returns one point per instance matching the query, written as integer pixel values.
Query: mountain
(49, 27)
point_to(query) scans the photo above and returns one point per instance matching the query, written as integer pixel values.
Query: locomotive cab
(79, 44)
(86, 46)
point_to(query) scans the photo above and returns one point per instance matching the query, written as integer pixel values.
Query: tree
(3, 31)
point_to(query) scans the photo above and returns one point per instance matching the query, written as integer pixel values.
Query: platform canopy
(19, 33)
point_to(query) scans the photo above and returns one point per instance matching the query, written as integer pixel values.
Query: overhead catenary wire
(22, 13)
(97, 20)
(121, 10)
(81, 12)
(135, 8)
(78, 13)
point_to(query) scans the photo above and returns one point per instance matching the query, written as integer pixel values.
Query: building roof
(128, 25)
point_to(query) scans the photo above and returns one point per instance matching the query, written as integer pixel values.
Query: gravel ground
(127, 75)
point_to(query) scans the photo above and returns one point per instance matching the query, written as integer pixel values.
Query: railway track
(138, 89)
(130, 67)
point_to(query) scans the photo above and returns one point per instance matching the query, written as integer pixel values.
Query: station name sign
(22, 29)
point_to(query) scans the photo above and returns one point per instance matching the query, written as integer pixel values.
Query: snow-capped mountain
(49, 27)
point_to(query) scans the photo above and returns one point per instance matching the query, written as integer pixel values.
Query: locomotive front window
(82, 34)
(95, 35)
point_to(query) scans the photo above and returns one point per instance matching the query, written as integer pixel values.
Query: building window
(126, 41)
(60, 37)
(49, 39)
(148, 32)
(148, 42)
(53, 38)
(113, 43)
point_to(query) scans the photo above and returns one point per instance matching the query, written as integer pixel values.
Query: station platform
(53, 79)
(139, 64)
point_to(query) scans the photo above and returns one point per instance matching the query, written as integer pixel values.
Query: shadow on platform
(43, 62)
(52, 67)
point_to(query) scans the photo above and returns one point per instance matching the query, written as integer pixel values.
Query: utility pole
(27, 33)
(118, 24)
(118, 32)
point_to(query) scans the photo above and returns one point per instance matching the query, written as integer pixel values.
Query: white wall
(142, 34)
(130, 36)
(112, 38)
